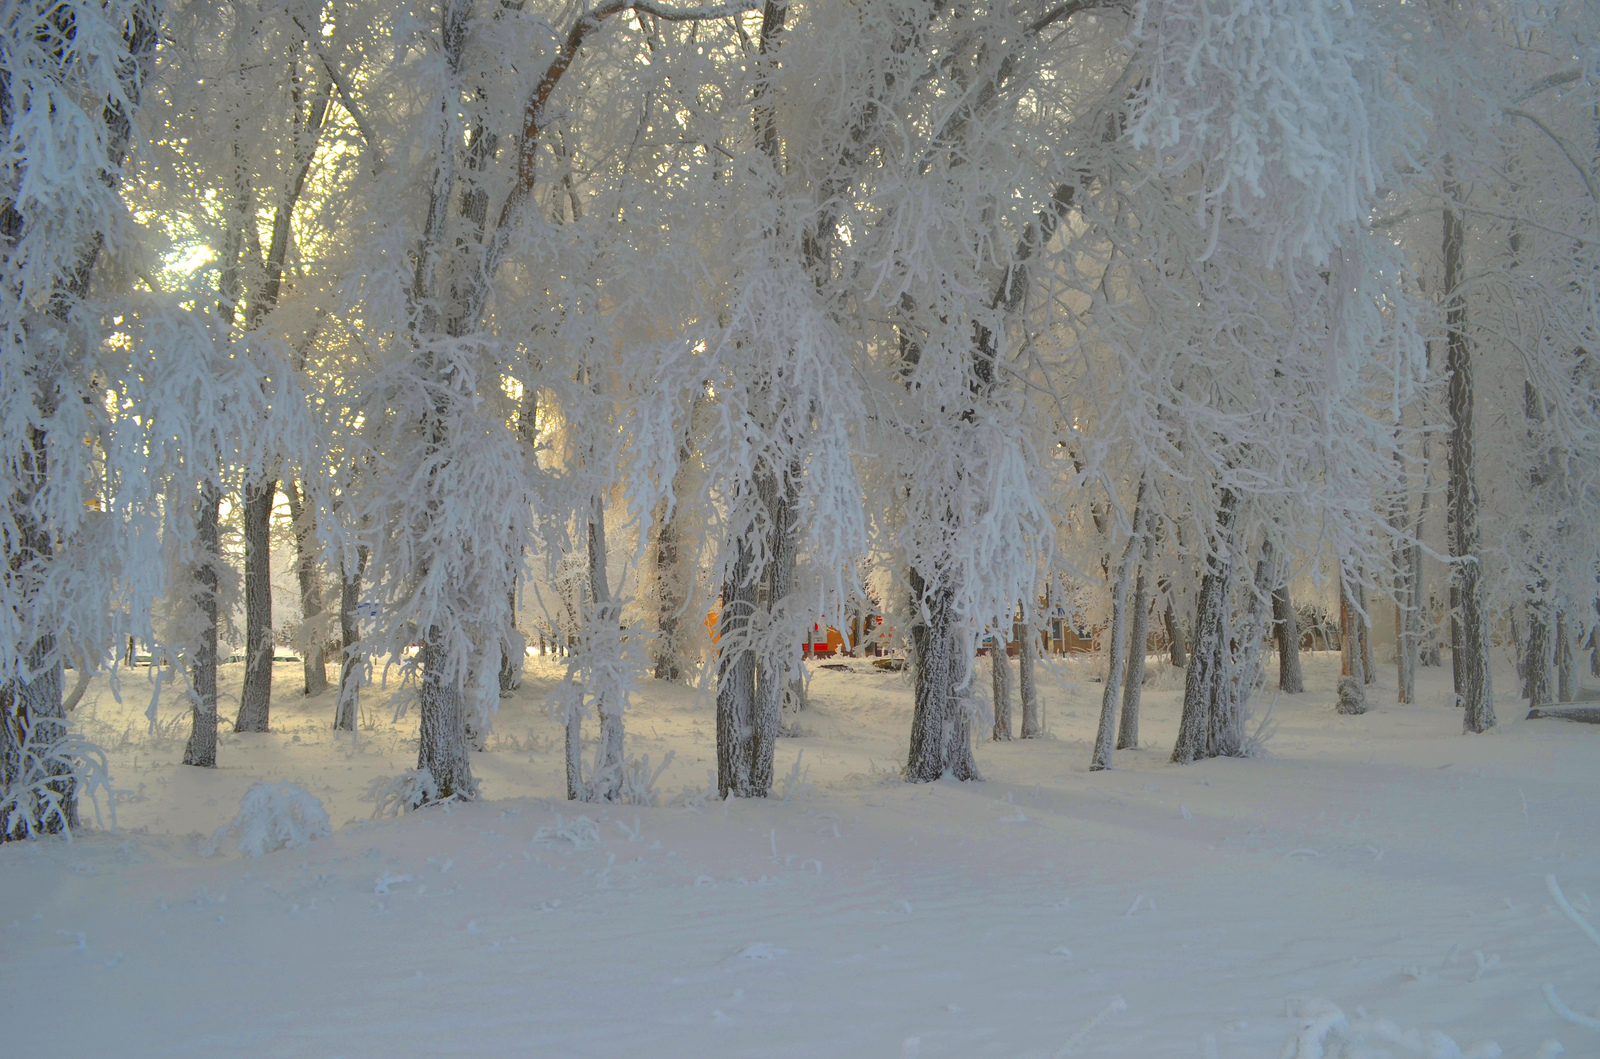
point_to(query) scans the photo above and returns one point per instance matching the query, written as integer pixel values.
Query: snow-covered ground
(1383, 864)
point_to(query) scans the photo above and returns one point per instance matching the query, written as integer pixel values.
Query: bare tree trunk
(1286, 628)
(608, 700)
(201, 748)
(316, 663)
(1176, 653)
(775, 665)
(350, 663)
(671, 584)
(1369, 672)
(255, 700)
(1028, 694)
(1207, 668)
(514, 654)
(736, 675)
(1535, 656)
(1138, 645)
(1565, 659)
(941, 736)
(443, 749)
(1000, 683)
(1117, 649)
(1474, 687)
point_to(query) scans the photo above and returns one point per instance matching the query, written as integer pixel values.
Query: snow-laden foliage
(274, 816)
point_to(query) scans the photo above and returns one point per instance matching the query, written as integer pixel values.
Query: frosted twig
(1117, 1005)
(1572, 913)
(1567, 1013)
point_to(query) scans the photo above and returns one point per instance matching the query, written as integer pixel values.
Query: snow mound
(275, 816)
(1325, 1033)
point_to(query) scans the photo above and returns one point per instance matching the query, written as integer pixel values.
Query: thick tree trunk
(1474, 687)
(443, 752)
(316, 662)
(1138, 645)
(609, 702)
(1027, 692)
(774, 665)
(1286, 629)
(1536, 657)
(1000, 683)
(201, 748)
(1369, 672)
(941, 729)
(672, 593)
(1565, 656)
(255, 700)
(1117, 648)
(736, 675)
(1176, 653)
(1200, 734)
(350, 662)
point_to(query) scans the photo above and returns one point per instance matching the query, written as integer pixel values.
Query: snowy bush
(397, 794)
(1325, 1033)
(275, 816)
(51, 771)
(582, 832)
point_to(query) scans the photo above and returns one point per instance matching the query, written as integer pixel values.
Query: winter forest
(800, 527)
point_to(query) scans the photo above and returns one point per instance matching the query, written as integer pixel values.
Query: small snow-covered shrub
(275, 816)
(582, 832)
(51, 772)
(394, 795)
(1325, 1033)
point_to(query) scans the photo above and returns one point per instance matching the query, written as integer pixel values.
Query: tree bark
(941, 730)
(350, 663)
(1138, 644)
(1027, 691)
(443, 749)
(201, 749)
(1536, 657)
(1474, 687)
(1565, 655)
(255, 700)
(671, 590)
(1117, 649)
(1175, 637)
(1286, 628)
(736, 675)
(1000, 683)
(1200, 734)
(316, 662)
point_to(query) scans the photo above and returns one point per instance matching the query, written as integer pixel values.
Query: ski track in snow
(1384, 863)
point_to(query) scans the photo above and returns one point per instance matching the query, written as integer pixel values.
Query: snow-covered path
(1369, 862)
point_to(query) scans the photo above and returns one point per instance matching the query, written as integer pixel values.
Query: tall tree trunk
(1208, 664)
(201, 748)
(1474, 686)
(1536, 657)
(1176, 653)
(255, 700)
(609, 703)
(350, 661)
(1565, 682)
(775, 664)
(1117, 649)
(1000, 684)
(1138, 645)
(316, 662)
(1286, 629)
(1027, 692)
(514, 654)
(1369, 672)
(442, 705)
(941, 729)
(736, 675)
(672, 593)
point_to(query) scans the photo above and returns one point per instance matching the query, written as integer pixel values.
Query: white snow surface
(1381, 876)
